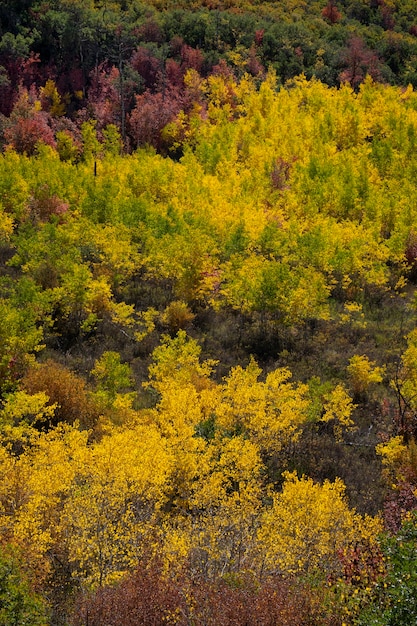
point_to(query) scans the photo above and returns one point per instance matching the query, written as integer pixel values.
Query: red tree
(27, 125)
(358, 61)
(152, 112)
(331, 12)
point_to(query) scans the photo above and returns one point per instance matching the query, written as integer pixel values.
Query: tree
(18, 603)
(28, 125)
(270, 413)
(152, 112)
(308, 524)
(66, 391)
(358, 61)
(331, 12)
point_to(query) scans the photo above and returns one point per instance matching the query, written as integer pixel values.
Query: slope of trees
(204, 374)
(207, 313)
(125, 63)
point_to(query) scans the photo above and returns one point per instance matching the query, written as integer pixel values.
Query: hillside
(208, 274)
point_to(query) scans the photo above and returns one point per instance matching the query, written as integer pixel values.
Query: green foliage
(66, 147)
(18, 604)
(20, 338)
(394, 598)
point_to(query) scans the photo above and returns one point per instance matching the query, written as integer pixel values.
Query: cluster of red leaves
(44, 204)
(17, 72)
(103, 97)
(24, 134)
(362, 564)
(399, 502)
(387, 20)
(331, 12)
(153, 111)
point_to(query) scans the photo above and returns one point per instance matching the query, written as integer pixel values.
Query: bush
(64, 388)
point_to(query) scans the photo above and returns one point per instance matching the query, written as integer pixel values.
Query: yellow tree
(80, 506)
(270, 413)
(113, 503)
(308, 524)
(225, 507)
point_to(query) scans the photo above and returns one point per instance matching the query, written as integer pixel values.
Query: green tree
(19, 606)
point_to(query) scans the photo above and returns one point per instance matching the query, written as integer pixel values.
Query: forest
(208, 313)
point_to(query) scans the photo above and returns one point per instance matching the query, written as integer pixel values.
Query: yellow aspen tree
(270, 413)
(225, 505)
(308, 524)
(114, 501)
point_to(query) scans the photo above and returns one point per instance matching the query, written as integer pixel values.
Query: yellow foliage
(6, 226)
(338, 406)
(408, 373)
(278, 202)
(177, 315)
(392, 452)
(396, 456)
(226, 503)
(51, 99)
(146, 323)
(306, 526)
(91, 501)
(362, 373)
(270, 413)
(353, 313)
(23, 407)
(119, 490)
(178, 359)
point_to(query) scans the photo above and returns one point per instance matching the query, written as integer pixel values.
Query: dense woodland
(208, 313)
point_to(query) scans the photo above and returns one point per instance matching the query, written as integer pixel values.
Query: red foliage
(175, 45)
(388, 20)
(103, 102)
(43, 205)
(146, 598)
(24, 134)
(259, 37)
(148, 66)
(276, 601)
(254, 65)
(358, 61)
(150, 598)
(191, 58)
(27, 125)
(222, 69)
(18, 73)
(153, 111)
(150, 31)
(362, 564)
(399, 502)
(331, 12)
(174, 74)
(385, 11)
